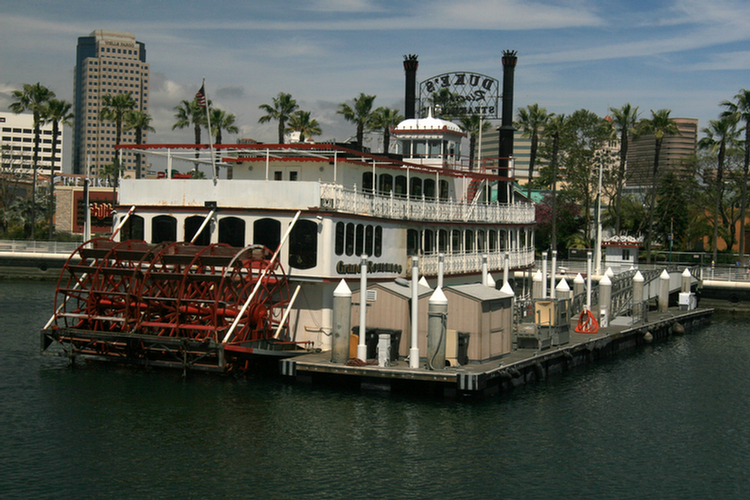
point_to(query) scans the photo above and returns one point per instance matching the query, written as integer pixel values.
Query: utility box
(687, 301)
(552, 321)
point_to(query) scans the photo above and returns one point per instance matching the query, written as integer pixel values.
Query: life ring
(587, 323)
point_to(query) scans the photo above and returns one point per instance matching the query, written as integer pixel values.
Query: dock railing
(38, 247)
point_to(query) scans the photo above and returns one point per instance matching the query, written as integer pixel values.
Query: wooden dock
(519, 367)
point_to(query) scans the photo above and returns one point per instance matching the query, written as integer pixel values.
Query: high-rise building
(674, 150)
(17, 144)
(107, 62)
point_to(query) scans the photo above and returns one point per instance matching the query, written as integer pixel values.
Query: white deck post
(414, 351)
(362, 347)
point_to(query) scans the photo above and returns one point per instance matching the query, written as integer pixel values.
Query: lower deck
(516, 368)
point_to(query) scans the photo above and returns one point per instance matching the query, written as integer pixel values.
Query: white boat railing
(472, 262)
(337, 197)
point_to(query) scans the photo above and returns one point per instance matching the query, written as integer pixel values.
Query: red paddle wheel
(168, 304)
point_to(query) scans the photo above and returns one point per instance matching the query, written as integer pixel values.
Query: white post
(588, 281)
(441, 269)
(362, 347)
(342, 305)
(544, 275)
(484, 270)
(553, 274)
(169, 163)
(414, 350)
(598, 249)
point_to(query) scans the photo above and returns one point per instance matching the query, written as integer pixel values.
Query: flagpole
(210, 135)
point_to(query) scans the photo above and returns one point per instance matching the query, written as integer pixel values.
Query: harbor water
(669, 421)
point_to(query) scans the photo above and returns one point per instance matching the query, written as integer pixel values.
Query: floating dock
(519, 367)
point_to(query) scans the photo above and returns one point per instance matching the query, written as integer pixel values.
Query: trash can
(463, 348)
(371, 340)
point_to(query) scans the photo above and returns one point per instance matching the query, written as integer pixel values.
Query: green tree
(472, 124)
(553, 131)
(191, 114)
(583, 137)
(531, 121)
(221, 120)
(660, 125)
(302, 123)
(360, 114)
(624, 120)
(114, 109)
(33, 98)
(58, 113)
(741, 109)
(719, 135)
(139, 121)
(385, 118)
(281, 111)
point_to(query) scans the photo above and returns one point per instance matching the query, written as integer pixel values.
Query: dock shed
(389, 307)
(486, 314)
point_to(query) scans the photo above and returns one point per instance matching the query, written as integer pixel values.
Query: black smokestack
(410, 96)
(506, 129)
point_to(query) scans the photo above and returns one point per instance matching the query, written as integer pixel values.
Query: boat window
(429, 188)
(192, 224)
(349, 239)
(232, 231)
(412, 242)
(277, 175)
(429, 241)
(163, 228)
(400, 185)
(493, 240)
(480, 240)
(503, 244)
(133, 229)
(340, 231)
(444, 190)
(419, 148)
(415, 189)
(267, 232)
(359, 242)
(435, 149)
(367, 182)
(303, 245)
(469, 241)
(369, 240)
(404, 148)
(292, 175)
(386, 184)
(378, 241)
(456, 241)
(523, 238)
(442, 241)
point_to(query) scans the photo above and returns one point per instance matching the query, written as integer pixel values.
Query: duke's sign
(461, 93)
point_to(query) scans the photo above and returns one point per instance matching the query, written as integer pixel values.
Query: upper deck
(329, 178)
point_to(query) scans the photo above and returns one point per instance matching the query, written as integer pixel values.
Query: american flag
(201, 96)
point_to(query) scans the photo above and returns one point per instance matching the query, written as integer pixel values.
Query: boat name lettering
(372, 267)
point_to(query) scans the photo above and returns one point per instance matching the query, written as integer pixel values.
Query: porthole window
(192, 225)
(378, 241)
(163, 228)
(267, 232)
(340, 237)
(232, 231)
(350, 239)
(303, 245)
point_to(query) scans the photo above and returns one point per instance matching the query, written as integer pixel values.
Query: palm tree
(386, 118)
(361, 114)
(741, 109)
(659, 125)
(446, 104)
(531, 122)
(221, 120)
(471, 125)
(282, 109)
(33, 98)
(624, 120)
(301, 122)
(114, 109)
(190, 113)
(139, 121)
(58, 113)
(553, 130)
(719, 134)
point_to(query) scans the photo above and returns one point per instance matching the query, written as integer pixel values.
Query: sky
(682, 55)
